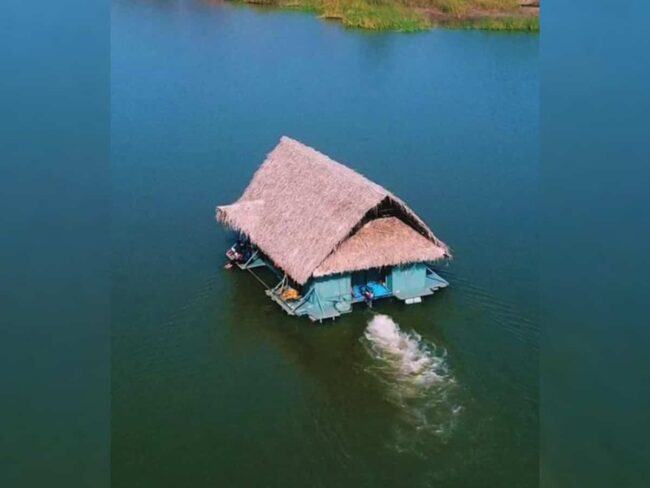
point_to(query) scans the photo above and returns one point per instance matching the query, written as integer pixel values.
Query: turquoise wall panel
(333, 287)
(407, 278)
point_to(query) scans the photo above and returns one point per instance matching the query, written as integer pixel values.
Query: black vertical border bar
(595, 175)
(54, 243)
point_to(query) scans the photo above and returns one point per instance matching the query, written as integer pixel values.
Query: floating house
(332, 237)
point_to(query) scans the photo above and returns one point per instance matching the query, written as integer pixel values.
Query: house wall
(332, 287)
(407, 278)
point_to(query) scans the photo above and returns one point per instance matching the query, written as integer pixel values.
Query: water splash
(417, 379)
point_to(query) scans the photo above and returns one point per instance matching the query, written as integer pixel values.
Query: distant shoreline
(524, 18)
(418, 15)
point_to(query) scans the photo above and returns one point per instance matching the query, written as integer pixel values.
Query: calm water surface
(212, 384)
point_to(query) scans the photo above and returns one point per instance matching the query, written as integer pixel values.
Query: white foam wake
(416, 378)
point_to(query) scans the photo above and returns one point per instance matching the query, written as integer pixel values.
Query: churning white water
(413, 361)
(416, 378)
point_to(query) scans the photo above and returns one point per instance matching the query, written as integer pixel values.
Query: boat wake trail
(416, 379)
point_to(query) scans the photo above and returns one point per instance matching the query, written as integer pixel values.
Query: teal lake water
(212, 384)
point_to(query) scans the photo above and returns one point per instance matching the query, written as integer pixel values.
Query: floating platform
(332, 296)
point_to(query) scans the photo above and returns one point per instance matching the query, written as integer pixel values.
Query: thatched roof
(301, 206)
(380, 242)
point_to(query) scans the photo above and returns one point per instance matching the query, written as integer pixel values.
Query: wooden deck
(255, 261)
(302, 307)
(284, 305)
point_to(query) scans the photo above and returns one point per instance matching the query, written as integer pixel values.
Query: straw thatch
(301, 205)
(380, 242)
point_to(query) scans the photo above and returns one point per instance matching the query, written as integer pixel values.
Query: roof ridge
(305, 147)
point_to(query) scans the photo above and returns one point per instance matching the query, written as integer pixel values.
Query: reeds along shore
(418, 15)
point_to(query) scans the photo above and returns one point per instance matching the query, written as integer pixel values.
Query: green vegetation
(462, 7)
(530, 24)
(414, 15)
(365, 14)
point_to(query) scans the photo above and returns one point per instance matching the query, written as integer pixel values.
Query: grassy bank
(494, 23)
(527, 24)
(415, 15)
